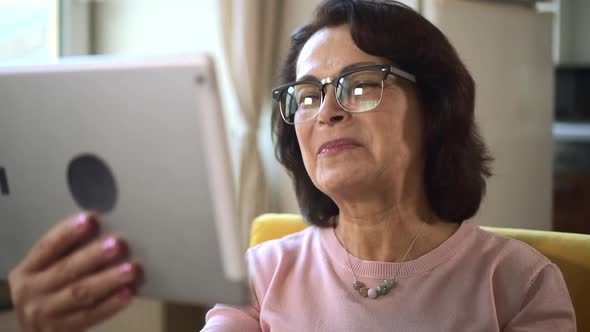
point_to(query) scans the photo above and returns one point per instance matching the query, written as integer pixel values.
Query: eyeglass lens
(359, 91)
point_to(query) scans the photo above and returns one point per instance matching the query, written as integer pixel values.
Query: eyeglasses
(358, 90)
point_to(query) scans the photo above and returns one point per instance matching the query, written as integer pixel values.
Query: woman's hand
(68, 283)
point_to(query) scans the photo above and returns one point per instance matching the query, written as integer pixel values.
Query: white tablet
(142, 141)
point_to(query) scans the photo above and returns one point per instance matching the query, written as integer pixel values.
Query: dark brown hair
(456, 160)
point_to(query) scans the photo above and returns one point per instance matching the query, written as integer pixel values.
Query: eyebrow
(344, 69)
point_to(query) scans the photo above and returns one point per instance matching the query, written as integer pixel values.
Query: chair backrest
(571, 252)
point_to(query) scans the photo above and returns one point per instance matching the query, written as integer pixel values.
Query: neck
(385, 233)
(379, 222)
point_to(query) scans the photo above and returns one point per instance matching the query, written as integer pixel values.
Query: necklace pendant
(357, 285)
(373, 293)
(389, 283)
(364, 291)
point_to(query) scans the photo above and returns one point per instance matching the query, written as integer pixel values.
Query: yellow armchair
(571, 252)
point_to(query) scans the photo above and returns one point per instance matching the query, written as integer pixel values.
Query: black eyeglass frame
(385, 70)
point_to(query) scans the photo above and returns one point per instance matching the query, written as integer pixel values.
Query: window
(29, 31)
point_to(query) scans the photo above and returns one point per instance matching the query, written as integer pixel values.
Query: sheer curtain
(250, 30)
(29, 31)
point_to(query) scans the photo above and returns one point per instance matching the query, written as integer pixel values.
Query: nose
(330, 111)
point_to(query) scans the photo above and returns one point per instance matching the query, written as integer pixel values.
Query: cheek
(395, 136)
(385, 135)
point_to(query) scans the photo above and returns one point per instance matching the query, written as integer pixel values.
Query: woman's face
(351, 154)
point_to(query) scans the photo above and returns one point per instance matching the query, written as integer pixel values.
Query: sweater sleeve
(222, 318)
(546, 305)
(232, 319)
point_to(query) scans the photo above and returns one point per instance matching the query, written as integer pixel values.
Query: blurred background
(530, 60)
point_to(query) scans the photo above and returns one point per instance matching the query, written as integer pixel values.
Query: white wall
(580, 31)
(574, 32)
(564, 44)
(508, 50)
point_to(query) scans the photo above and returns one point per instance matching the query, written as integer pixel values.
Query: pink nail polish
(124, 294)
(80, 221)
(109, 244)
(126, 270)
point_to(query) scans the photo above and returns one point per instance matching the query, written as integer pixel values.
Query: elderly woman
(375, 123)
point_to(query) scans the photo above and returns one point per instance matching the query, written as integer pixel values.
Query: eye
(362, 87)
(306, 100)
(367, 84)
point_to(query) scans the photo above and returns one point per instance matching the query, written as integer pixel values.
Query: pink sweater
(474, 281)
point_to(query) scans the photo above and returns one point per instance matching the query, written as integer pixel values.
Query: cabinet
(571, 211)
(571, 183)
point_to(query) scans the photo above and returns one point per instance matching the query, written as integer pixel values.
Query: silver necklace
(387, 284)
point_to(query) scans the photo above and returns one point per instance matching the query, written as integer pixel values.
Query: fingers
(89, 291)
(58, 241)
(37, 316)
(66, 283)
(82, 262)
(85, 318)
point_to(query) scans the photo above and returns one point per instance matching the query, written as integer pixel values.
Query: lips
(338, 145)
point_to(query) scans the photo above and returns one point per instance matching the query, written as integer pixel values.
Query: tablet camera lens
(92, 183)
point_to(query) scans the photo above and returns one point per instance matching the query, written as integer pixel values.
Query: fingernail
(81, 221)
(109, 244)
(124, 294)
(126, 270)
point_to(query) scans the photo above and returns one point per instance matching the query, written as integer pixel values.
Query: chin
(340, 181)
